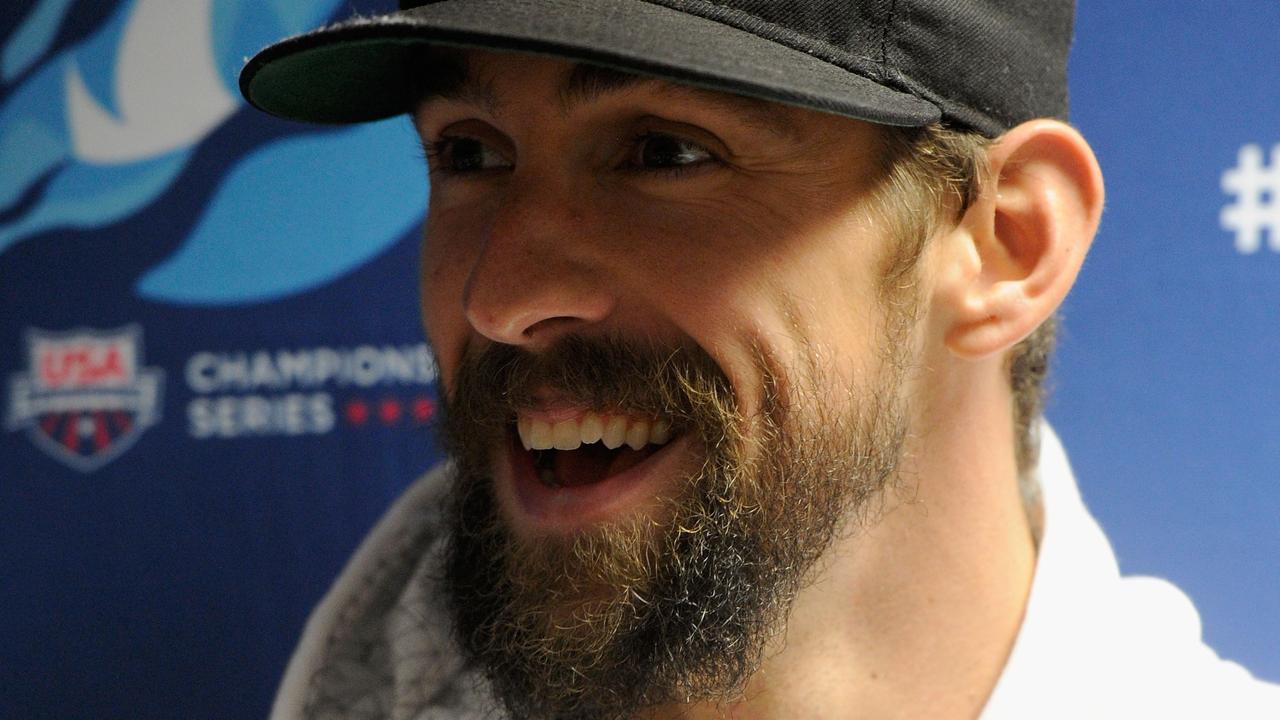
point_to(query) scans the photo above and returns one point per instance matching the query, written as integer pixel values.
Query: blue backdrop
(213, 379)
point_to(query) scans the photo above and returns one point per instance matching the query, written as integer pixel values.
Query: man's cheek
(451, 247)
(447, 333)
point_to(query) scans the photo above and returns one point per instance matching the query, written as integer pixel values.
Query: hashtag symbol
(1256, 189)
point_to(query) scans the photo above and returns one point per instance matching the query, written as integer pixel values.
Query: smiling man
(742, 311)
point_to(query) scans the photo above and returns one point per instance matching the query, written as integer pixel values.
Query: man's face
(697, 277)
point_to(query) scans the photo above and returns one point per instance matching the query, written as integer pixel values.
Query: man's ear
(1019, 246)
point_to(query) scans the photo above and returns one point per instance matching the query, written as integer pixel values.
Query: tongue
(593, 463)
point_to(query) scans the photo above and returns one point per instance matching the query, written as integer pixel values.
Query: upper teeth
(612, 430)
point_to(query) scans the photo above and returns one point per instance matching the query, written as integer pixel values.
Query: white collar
(1095, 644)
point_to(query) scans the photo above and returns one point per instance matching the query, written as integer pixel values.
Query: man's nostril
(549, 326)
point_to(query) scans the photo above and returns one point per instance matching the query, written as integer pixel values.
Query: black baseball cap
(982, 64)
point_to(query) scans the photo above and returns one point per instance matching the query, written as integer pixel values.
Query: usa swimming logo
(86, 398)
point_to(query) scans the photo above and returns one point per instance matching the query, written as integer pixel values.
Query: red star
(357, 412)
(389, 410)
(423, 409)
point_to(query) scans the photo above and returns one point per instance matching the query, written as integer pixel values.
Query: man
(742, 312)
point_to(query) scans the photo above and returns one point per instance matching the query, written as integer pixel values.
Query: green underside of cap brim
(367, 70)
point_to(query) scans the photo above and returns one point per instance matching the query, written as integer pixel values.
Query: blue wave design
(296, 214)
(96, 57)
(244, 248)
(36, 141)
(90, 196)
(33, 134)
(32, 38)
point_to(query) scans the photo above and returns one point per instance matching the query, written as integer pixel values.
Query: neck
(913, 615)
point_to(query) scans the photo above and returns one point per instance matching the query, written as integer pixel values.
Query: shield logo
(86, 397)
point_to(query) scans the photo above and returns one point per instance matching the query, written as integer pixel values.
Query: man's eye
(659, 151)
(459, 155)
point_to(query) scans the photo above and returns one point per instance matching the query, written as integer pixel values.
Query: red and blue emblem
(86, 397)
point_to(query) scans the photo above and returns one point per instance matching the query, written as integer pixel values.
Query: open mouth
(569, 468)
(589, 448)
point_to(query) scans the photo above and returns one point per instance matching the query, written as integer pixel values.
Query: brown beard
(673, 607)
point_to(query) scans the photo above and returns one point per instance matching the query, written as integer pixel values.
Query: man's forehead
(470, 77)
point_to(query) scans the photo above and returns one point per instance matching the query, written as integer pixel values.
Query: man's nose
(536, 278)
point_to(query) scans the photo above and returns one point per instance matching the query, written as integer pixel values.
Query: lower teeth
(585, 466)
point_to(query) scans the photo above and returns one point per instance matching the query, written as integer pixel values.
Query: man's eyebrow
(451, 79)
(589, 83)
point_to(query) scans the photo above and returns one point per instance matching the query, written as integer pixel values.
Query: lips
(568, 469)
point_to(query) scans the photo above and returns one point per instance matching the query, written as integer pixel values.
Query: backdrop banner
(213, 378)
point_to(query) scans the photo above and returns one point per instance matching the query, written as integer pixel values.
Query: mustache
(681, 383)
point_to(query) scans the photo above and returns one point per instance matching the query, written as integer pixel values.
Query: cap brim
(369, 68)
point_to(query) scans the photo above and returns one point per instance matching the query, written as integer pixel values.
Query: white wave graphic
(168, 90)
